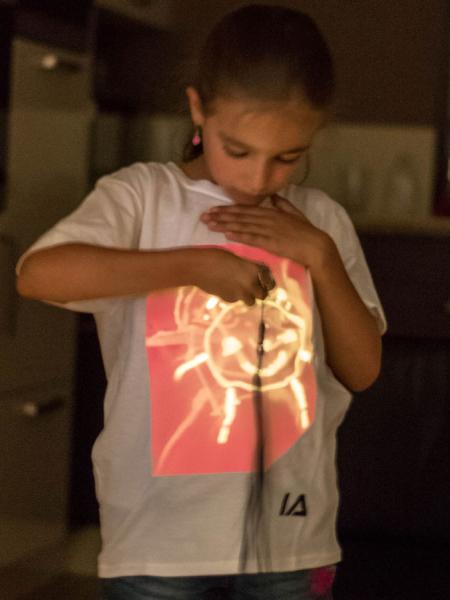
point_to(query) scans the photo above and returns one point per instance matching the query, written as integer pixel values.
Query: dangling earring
(197, 137)
(307, 169)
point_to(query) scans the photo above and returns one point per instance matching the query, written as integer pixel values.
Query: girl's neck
(196, 169)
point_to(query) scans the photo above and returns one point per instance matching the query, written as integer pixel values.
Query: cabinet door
(35, 439)
(394, 444)
(49, 139)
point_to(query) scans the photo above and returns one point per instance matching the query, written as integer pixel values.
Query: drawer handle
(52, 62)
(36, 408)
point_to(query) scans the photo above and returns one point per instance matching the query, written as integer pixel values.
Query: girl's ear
(195, 106)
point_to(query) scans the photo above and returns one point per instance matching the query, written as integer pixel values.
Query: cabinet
(140, 80)
(6, 17)
(48, 125)
(394, 443)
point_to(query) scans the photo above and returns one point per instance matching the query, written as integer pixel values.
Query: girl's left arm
(352, 338)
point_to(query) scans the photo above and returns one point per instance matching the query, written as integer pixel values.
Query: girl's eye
(288, 161)
(236, 153)
(243, 154)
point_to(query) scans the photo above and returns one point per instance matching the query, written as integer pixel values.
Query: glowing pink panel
(202, 357)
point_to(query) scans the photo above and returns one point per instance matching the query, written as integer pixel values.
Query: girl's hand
(282, 229)
(353, 353)
(232, 278)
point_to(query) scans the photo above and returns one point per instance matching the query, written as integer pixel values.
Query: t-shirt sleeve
(347, 241)
(328, 215)
(110, 216)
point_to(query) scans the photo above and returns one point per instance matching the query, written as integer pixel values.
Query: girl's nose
(259, 179)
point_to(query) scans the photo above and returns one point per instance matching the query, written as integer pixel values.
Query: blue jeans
(294, 585)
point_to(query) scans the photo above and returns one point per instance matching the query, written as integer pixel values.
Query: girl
(176, 263)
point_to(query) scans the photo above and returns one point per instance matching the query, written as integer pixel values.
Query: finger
(258, 291)
(259, 241)
(229, 220)
(234, 222)
(239, 210)
(265, 278)
(284, 205)
(248, 298)
(260, 229)
(260, 294)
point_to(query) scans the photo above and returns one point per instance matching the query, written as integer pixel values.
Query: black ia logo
(296, 508)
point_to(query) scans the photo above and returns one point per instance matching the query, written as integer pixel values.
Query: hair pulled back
(264, 52)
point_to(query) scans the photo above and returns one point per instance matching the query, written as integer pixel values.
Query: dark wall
(394, 444)
(391, 57)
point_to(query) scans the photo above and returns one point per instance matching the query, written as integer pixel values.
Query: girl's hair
(264, 52)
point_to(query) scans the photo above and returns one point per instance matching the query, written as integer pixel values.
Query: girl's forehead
(278, 118)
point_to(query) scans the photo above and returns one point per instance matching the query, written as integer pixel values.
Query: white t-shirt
(174, 461)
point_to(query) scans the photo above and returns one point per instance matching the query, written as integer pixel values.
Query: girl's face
(251, 147)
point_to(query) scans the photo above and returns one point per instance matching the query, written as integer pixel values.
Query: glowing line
(305, 355)
(299, 329)
(288, 337)
(299, 394)
(212, 302)
(200, 399)
(231, 401)
(298, 334)
(191, 364)
(181, 302)
(270, 370)
(281, 295)
(231, 345)
(297, 320)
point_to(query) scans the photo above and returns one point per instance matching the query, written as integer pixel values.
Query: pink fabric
(201, 360)
(322, 581)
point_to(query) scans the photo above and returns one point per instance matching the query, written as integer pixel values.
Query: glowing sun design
(202, 359)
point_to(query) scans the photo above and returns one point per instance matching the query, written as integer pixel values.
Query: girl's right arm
(75, 271)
